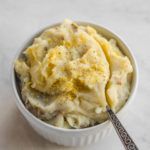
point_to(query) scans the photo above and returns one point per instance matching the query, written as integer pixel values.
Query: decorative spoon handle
(122, 133)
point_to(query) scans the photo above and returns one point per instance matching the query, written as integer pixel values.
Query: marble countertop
(19, 20)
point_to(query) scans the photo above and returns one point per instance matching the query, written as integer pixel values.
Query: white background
(20, 19)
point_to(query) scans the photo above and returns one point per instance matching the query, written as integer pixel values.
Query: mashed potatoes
(70, 73)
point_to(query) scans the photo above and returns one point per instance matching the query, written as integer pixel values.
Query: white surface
(21, 19)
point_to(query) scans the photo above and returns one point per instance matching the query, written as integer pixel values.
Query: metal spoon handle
(122, 133)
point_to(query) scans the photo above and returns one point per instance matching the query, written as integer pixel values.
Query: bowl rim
(30, 40)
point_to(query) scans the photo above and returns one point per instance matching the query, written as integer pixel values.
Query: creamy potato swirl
(70, 73)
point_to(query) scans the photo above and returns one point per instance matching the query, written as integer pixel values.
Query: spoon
(122, 133)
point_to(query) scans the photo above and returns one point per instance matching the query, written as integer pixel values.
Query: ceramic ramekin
(75, 137)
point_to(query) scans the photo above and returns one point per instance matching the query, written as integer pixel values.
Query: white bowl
(75, 137)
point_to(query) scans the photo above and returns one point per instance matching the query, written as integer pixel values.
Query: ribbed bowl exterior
(68, 138)
(71, 139)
